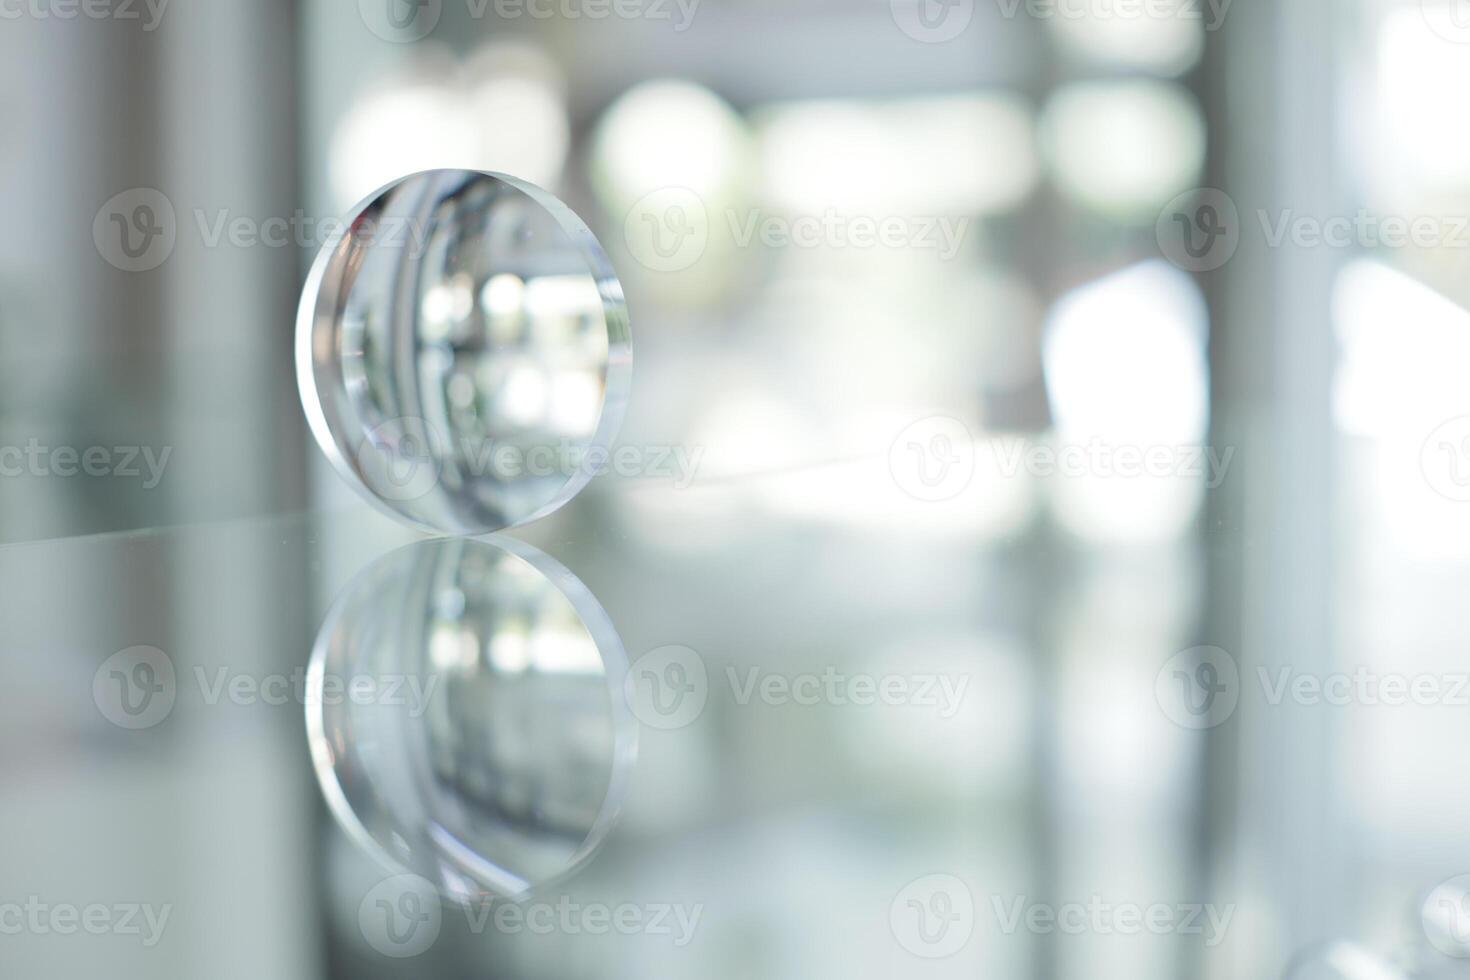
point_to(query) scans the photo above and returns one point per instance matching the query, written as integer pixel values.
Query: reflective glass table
(661, 734)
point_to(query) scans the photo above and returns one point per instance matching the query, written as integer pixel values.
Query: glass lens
(463, 351)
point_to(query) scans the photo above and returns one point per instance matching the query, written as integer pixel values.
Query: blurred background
(1037, 342)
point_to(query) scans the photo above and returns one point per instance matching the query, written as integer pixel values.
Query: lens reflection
(465, 716)
(463, 351)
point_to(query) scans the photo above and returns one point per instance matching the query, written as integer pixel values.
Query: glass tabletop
(783, 750)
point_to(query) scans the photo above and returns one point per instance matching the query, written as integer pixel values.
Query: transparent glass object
(463, 351)
(466, 717)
